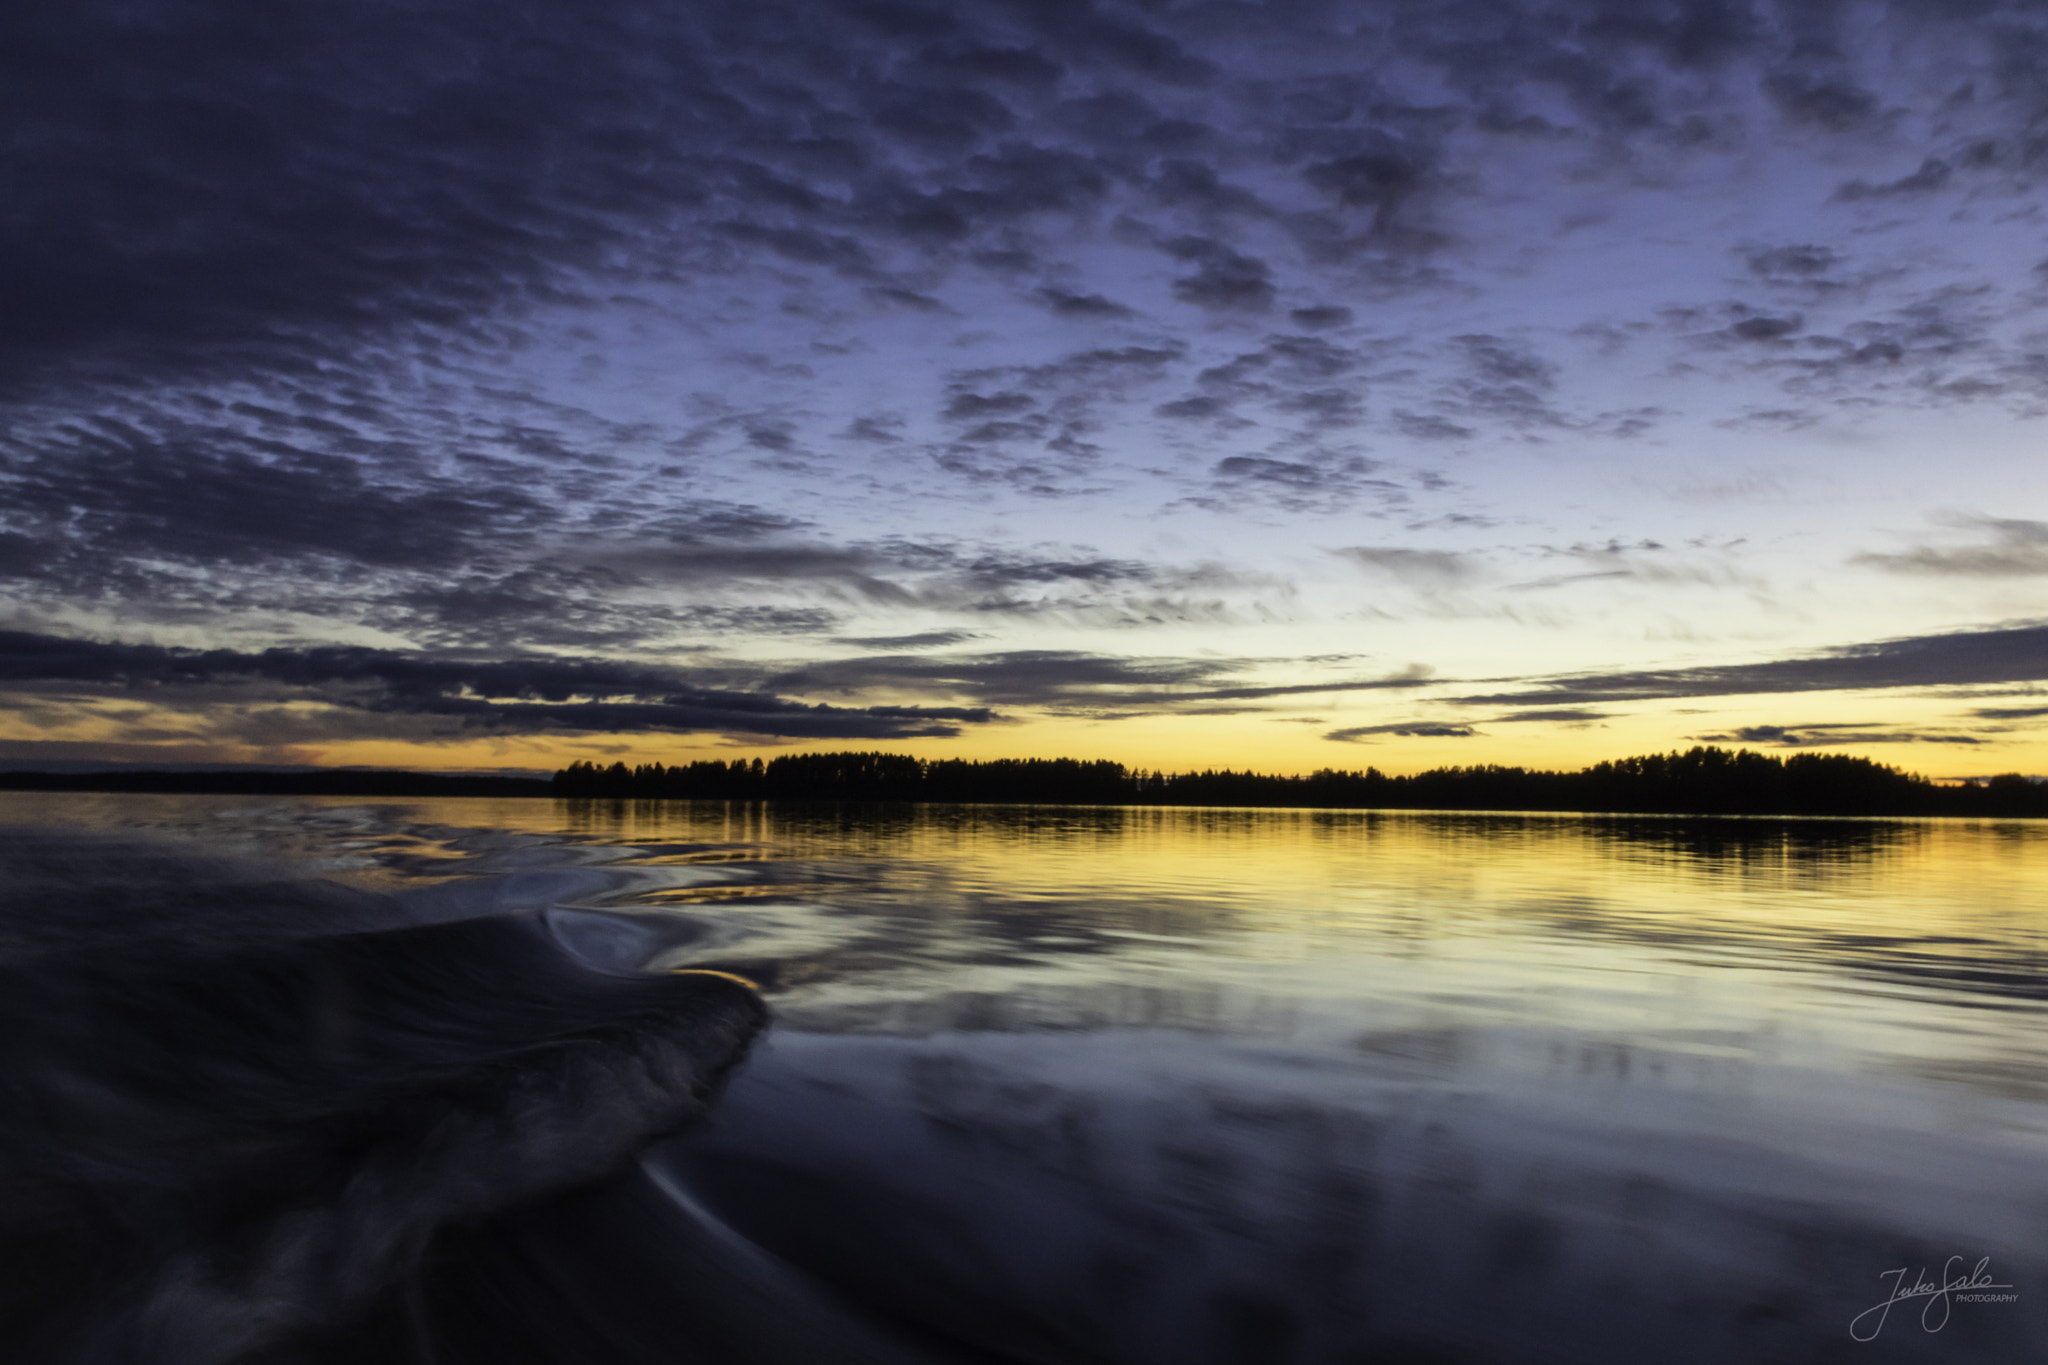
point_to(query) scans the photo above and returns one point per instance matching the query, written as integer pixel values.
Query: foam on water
(235, 1108)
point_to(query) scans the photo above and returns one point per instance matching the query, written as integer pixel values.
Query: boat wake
(235, 1113)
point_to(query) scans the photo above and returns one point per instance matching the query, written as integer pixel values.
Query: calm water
(1094, 1084)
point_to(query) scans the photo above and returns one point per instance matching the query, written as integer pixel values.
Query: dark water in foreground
(320, 1080)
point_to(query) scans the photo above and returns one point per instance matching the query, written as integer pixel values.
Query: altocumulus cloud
(512, 696)
(1411, 729)
(2010, 547)
(1825, 734)
(363, 687)
(1100, 685)
(2008, 654)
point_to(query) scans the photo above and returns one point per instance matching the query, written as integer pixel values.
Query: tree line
(1704, 780)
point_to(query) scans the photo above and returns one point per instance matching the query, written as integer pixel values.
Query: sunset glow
(1285, 387)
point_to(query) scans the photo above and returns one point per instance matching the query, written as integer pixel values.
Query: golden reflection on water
(1431, 941)
(1944, 888)
(1563, 950)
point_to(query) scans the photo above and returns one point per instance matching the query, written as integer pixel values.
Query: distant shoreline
(1702, 782)
(336, 782)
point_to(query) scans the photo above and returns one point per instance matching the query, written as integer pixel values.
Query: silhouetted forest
(1702, 781)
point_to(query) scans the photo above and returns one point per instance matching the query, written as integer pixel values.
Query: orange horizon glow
(1164, 743)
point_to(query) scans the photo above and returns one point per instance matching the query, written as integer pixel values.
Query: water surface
(1142, 1084)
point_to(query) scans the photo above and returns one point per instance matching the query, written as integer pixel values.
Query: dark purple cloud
(2009, 654)
(1404, 729)
(503, 696)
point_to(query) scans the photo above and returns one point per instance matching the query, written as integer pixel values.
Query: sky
(1289, 386)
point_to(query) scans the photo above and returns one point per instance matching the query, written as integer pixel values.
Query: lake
(1135, 1084)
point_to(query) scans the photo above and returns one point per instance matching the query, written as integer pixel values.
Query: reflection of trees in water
(1705, 839)
(1743, 841)
(942, 876)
